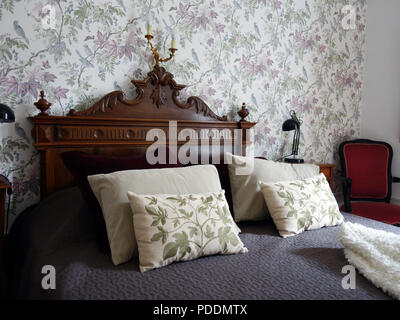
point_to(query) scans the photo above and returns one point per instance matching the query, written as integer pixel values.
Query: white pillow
(171, 228)
(248, 202)
(300, 205)
(111, 192)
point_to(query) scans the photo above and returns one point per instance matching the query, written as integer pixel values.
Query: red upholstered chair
(367, 188)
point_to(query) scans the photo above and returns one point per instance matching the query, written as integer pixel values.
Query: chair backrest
(368, 163)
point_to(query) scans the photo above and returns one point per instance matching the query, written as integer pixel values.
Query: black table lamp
(293, 124)
(6, 114)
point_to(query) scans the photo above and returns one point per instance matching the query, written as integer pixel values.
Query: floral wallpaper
(276, 55)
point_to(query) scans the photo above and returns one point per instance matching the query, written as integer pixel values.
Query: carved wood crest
(159, 93)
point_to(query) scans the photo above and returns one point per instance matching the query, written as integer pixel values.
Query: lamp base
(294, 160)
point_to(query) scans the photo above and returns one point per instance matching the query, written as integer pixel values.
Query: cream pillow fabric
(173, 228)
(111, 192)
(300, 205)
(248, 201)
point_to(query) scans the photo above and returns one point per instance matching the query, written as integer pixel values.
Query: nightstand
(328, 170)
(4, 185)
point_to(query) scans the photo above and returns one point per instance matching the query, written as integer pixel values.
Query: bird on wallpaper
(116, 86)
(233, 77)
(87, 50)
(254, 100)
(18, 29)
(167, 27)
(89, 38)
(347, 49)
(84, 61)
(195, 57)
(121, 3)
(305, 72)
(236, 4)
(21, 132)
(256, 29)
(308, 8)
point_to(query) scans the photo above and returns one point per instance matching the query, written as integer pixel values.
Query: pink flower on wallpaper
(211, 91)
(277, 4)
(137, 73)
(201, 21)
(318, 110)
(60, 93)
(12, 86)
(220, 27)
(32, 87)
(270, 62)
(361, 27)
(48, 77)
(260, 69)
(266, 86)
(46, 64)
(274, 73)
(114, 50)
(101, 40)
(210, 42)
(127, 51)
(218, 103)
(322, 48)
(295, 102)
(269, 16)
(272, 140)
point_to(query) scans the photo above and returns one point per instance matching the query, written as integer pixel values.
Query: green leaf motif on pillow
(194, 221)
(310, 202)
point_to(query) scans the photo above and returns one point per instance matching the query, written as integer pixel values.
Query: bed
(306, 266)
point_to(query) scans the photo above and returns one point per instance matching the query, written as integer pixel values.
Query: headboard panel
(118, 126)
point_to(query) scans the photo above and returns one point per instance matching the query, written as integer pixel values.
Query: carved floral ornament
(159, 87)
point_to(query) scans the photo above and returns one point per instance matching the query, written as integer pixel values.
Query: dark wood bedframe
(117, 126)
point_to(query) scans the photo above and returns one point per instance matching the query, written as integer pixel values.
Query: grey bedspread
(59, 232)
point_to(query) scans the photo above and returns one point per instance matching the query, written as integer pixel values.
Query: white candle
(173, 41)
(148, 25)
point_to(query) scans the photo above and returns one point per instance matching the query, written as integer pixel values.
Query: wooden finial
(42, 104)
(244, 112)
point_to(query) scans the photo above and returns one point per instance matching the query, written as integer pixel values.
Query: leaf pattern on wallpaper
(277, 55)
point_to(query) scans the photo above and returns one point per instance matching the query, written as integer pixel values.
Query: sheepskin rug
(375, 253)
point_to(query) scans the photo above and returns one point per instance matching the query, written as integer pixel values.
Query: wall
(275, 55)
(381, 97)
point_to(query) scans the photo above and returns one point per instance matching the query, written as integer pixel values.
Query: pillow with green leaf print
(300, 205)
(171, 228)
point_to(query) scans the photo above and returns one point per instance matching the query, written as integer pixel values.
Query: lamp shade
(6, 114)
(290, 125)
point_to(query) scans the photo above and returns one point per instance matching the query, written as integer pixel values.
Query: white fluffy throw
(375, 253)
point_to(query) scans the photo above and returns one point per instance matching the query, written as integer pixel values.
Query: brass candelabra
(156, 55)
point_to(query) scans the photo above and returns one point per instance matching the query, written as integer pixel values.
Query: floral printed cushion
(171, 228)
(300, 205)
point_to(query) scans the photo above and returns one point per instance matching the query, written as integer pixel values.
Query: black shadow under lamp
(289, 125)
(6, 114)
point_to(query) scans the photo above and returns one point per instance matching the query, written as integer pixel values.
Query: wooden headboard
(117, 126)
